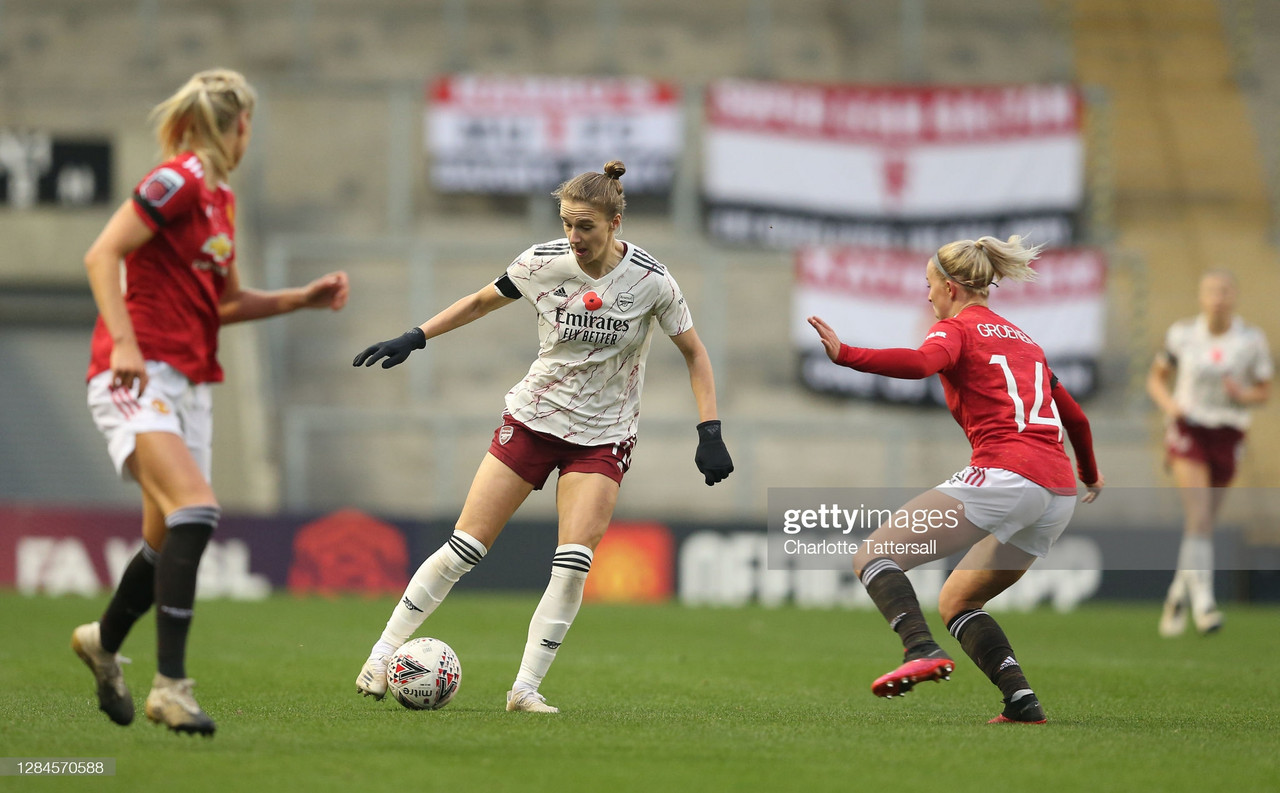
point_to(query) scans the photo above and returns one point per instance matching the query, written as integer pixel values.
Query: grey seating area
(338, 177)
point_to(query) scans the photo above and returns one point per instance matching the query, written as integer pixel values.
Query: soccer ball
(424, 674)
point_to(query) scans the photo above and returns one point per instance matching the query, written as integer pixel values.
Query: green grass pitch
(657, 698)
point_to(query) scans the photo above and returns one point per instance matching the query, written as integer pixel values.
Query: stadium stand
(339, 125)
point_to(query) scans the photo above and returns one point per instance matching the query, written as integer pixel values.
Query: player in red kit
(154, 359)
(1012, 501)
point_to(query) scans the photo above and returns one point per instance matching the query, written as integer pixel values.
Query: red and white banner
(529, 134)
(875, 297)
(866, 163)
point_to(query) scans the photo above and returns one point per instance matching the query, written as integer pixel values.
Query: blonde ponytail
(199, 114)
(976, 264)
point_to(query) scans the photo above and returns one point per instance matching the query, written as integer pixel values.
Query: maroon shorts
(1217, 447)
(533, 455)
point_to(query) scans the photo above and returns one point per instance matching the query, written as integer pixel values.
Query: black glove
(394, 350)
(712, 458)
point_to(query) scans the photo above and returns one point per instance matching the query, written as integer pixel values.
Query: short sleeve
(516, 281)
(1168, 354)
(947, 335)
(506, 288)
(669, 308)
(165, 194)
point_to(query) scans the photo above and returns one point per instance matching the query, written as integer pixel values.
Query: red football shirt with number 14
(175, 280)
(997, 384)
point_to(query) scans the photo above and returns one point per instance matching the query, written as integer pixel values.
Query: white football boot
(372, 680)
(528, 700)
(171, 703)
(113, 695)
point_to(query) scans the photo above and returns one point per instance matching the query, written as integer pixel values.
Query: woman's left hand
(328, 291)
(1093, 489)
(830, 341)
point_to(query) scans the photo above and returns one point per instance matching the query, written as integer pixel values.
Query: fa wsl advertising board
(57, 551)
(878, 297)
(529, 134)
(788, 164)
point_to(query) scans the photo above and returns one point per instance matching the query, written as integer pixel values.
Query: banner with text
(789, 163)
(529, 134)
(1115, 548)
(877, 297)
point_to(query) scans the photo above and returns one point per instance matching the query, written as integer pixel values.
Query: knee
(952, 604)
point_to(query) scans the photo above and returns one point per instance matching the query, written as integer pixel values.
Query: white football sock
(428, 587)
(555, 613)
(1195, 565)
(1177, 588)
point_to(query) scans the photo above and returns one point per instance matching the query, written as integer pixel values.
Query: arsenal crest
(625, 301)
(505, 433)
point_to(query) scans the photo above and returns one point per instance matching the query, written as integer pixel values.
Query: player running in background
(153, 362)
(1219, 367)
(596, 298)
(1012, 501)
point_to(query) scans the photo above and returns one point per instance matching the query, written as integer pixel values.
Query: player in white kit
(597, 299)
(1219, 366)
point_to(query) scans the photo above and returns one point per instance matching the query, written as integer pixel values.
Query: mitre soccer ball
(424, 674)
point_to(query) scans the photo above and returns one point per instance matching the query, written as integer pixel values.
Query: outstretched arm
(465, 311)
(899, 362)
(242, 305)
(462, 312)
(1076, 423)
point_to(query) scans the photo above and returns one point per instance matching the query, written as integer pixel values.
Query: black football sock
(189, 532)
(133, 596)
(891, 591)
(984, 641)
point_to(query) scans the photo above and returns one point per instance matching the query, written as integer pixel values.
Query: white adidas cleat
(372, 680)
(1208, 622)
(172, 704)
(1173, 619)
(528, 700)
(113, 695)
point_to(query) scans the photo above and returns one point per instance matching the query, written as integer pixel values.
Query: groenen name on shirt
(1002, 332)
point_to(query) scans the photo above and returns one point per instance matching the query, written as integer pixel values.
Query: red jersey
(998, 388)
(174, 281)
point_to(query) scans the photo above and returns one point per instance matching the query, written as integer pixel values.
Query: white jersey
(585, 385)
(1203, 360)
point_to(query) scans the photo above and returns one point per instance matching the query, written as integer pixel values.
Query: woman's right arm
(1158, 378)
(465, 311)
(124, 233)
(462, 312)
(900, 362)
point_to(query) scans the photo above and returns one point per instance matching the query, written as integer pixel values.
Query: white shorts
(171, 403)
(1010, 506)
